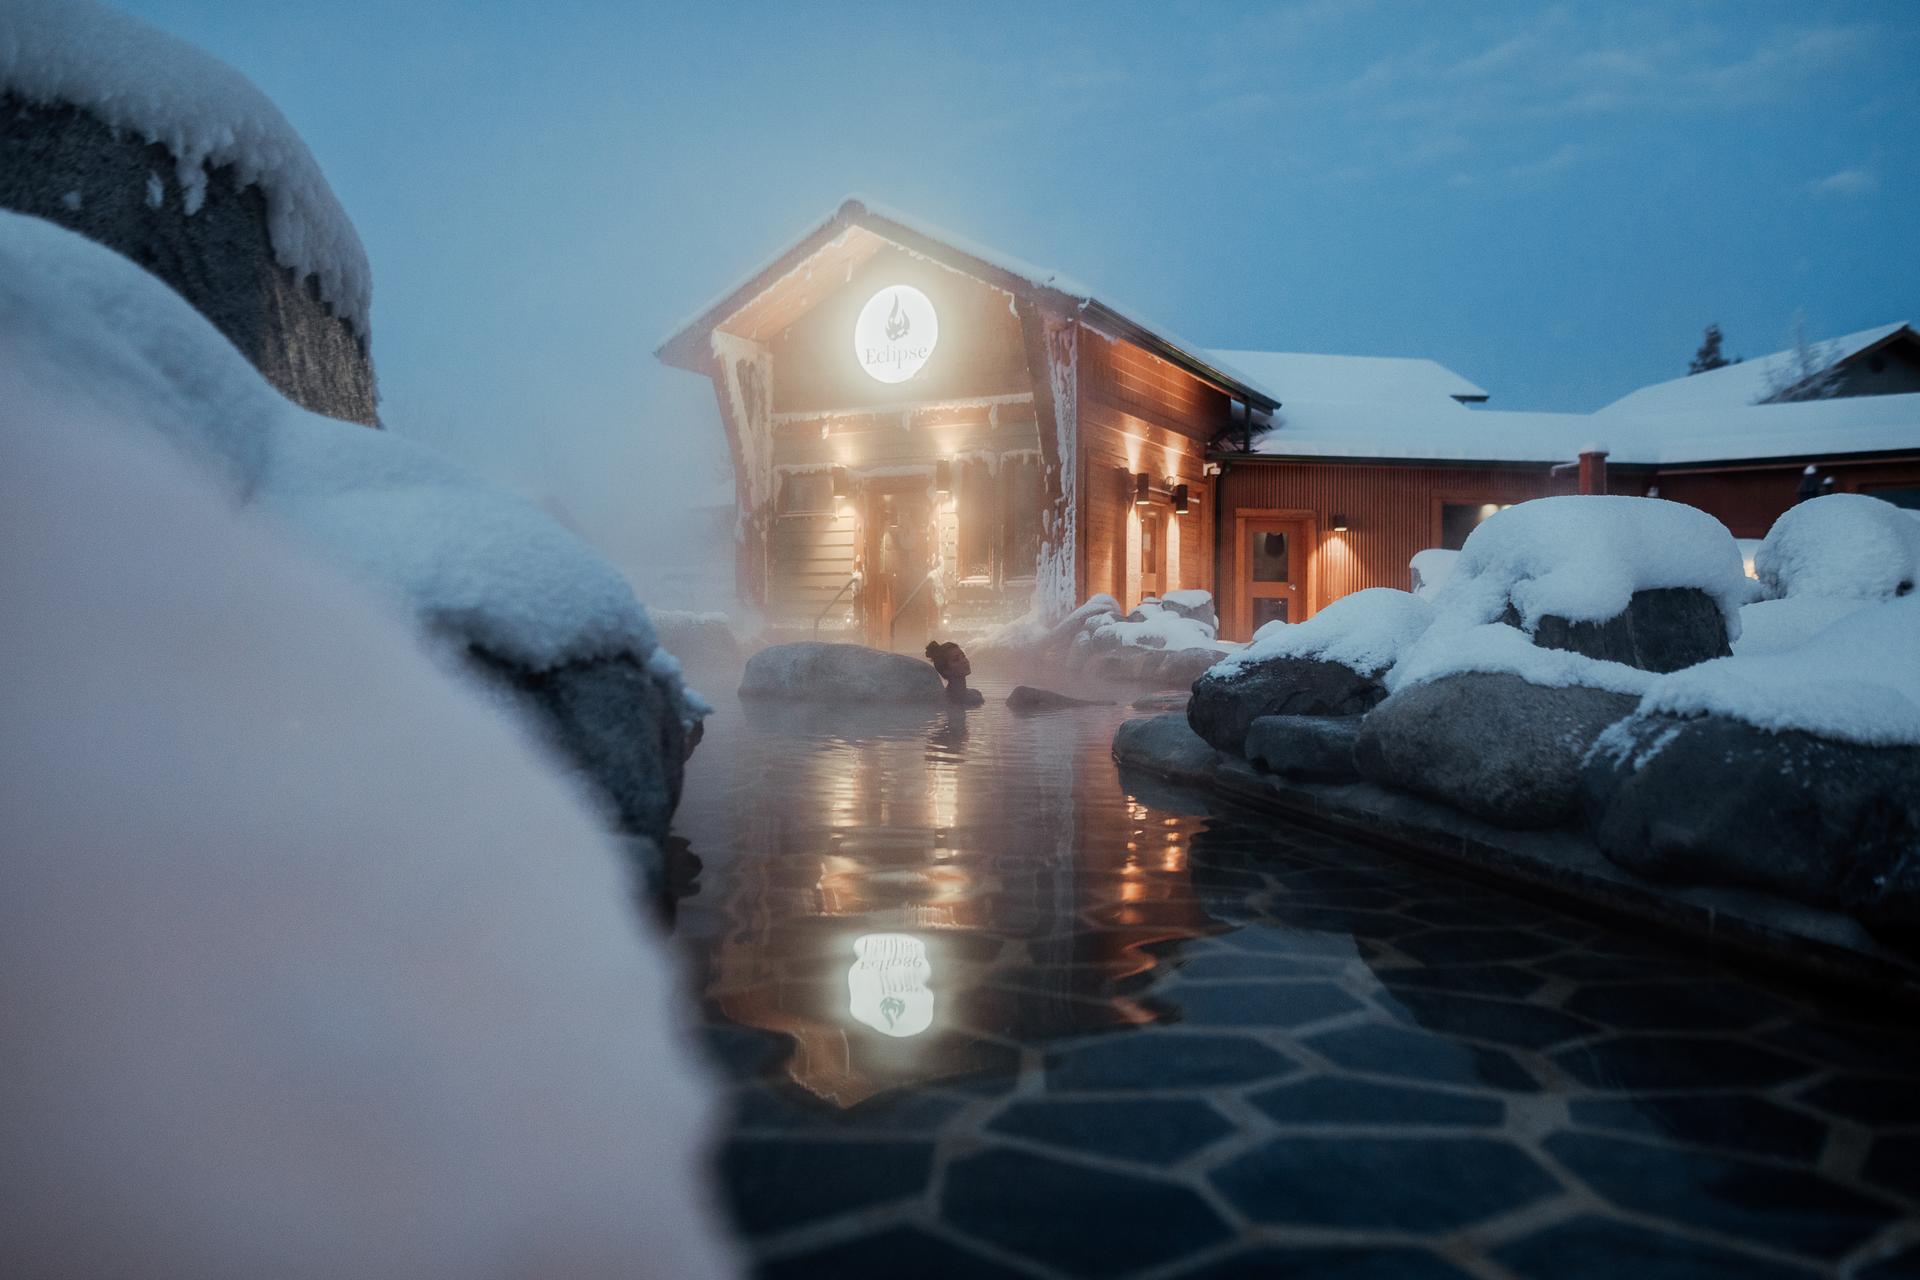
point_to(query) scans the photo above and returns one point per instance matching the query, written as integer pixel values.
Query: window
(1020, 526)
(806, 492)
(1458, 519)
(1267, 554)
(974, 498)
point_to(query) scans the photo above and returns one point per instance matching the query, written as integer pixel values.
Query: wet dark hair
(940, 653)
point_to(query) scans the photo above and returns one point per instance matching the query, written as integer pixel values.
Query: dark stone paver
(1149, 1130)
(889, 1255)
(1794, 1210)
(1867, 1099)
(1591, 1248)
(1397, 1052)
(1738, 1122)
(1263, 1004)
(1386, 1263)
(1398, 1184)
(1085, 1221)
(1333, 1100)
(1175, 1060)
(1628, 1063)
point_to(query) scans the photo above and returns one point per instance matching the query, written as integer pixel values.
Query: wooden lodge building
(929, 438)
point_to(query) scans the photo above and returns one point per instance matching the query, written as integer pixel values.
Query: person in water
(950, 660)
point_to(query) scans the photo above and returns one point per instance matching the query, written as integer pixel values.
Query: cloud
(1847, 182)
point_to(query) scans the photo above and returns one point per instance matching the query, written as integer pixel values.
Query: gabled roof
(1293, 375)
(1751, 381)
(819, 261)
(1741, 433)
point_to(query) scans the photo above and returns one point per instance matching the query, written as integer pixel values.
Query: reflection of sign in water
(895, 333)
(887, 986)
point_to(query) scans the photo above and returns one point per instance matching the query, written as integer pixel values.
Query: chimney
(1593, 471)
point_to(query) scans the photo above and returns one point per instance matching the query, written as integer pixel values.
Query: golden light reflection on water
(996, 853)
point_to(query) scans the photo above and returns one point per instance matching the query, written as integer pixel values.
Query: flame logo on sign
(897, 323)
(891, 1008)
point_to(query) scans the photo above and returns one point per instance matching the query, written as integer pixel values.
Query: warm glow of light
(887, 985)
(895, 334)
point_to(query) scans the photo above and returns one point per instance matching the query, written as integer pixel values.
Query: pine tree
(1709, 355)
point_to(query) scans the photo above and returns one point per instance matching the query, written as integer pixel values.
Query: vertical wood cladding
(1391, 511)
(1139, 413)
(1749, 499)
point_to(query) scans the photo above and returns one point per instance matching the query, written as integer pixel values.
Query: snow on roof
(1452, 432)
(142, 80)
(1746, 383)
(857, 210)
(1289, 375)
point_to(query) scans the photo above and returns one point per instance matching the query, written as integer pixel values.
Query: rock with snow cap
(818, 671)
(1225, 703)
(1713, 799)
(161, 152)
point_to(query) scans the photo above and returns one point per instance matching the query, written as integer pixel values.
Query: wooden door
(899, 601)
(1272, 573)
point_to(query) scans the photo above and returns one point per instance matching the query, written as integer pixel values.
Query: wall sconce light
(943, 477)
(1339, 524)
(1142, 489)
(1179, 499)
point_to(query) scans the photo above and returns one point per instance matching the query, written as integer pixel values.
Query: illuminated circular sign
(895, 333)
(887, 986)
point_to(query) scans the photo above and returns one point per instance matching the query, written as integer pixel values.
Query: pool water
(988, 1007)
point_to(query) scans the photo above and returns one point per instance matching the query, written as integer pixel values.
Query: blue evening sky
(1551, 199)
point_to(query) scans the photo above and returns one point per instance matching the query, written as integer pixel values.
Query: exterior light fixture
(1339, 524)
(943, 477)
(1179, 499)
(1142, 489)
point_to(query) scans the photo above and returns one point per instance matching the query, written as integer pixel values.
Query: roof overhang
(824, 258)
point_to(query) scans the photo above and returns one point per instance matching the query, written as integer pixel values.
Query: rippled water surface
(990, 1008)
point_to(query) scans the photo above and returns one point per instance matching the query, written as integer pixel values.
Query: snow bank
(1582, 558)
(148, 83)
(1157, 628)
(1857, 680)
(313, 967)
(88, 327)
(1367, 631)
(1844, 545)
(1768, 626)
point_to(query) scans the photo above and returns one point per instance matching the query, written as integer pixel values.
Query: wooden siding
(1139, 413)
(812, 558)
(1749, 499)
(979, 352)
(1391, 511)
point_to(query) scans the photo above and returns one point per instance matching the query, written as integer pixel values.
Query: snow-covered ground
(313, 967)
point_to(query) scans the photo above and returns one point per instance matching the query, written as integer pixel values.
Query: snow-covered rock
(313, 967)
(144, 143)
(87, 331)
(1225, 704)
(1367, 630)
(816, 671)
(1841, 546)
(1795, 769)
